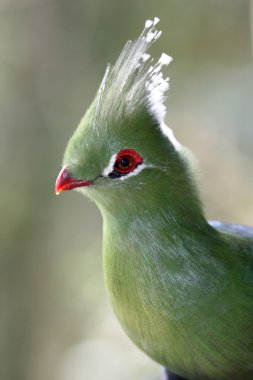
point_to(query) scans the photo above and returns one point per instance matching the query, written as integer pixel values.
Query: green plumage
(181, 287)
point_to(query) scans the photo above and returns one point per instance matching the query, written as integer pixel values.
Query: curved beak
(65, 182)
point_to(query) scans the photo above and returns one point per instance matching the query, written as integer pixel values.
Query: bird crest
(135, 82)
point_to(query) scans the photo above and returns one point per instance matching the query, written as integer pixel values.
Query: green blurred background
(55, 320)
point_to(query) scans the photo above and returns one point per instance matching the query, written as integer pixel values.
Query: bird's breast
(185, 321)
(150, 311)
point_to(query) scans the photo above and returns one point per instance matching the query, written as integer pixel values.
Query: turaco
(181, 287)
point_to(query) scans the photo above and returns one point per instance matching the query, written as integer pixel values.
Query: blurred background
(55, 319)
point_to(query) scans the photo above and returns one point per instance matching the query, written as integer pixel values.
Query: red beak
(66, 182)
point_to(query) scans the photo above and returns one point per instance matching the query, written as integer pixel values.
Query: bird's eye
(126, 161)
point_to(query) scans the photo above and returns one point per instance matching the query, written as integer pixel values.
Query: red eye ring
(127, 161)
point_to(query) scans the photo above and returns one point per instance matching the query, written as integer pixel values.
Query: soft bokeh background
(55, 319)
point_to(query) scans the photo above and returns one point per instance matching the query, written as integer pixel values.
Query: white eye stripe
(110, 166)
(136, 171)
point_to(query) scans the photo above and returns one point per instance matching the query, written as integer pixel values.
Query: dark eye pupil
(124, 162)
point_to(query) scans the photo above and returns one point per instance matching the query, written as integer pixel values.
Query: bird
(181, 287)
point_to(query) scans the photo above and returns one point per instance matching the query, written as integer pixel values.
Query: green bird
(181, 287)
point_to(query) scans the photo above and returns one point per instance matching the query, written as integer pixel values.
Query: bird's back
(240, 238)
(234, 229)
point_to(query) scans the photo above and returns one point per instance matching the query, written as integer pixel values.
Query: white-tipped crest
(135, 81)
(157, 85)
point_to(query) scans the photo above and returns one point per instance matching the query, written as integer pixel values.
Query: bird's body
(182, 288)
(189, 313)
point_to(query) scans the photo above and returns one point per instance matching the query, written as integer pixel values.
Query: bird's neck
(157, 202)
(152, 239)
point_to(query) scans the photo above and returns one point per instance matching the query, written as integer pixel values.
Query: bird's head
(122, 141)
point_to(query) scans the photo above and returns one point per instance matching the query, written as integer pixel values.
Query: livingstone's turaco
(181, 287)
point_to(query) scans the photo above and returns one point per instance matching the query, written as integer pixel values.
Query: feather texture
(135, 82)
(181, 287)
